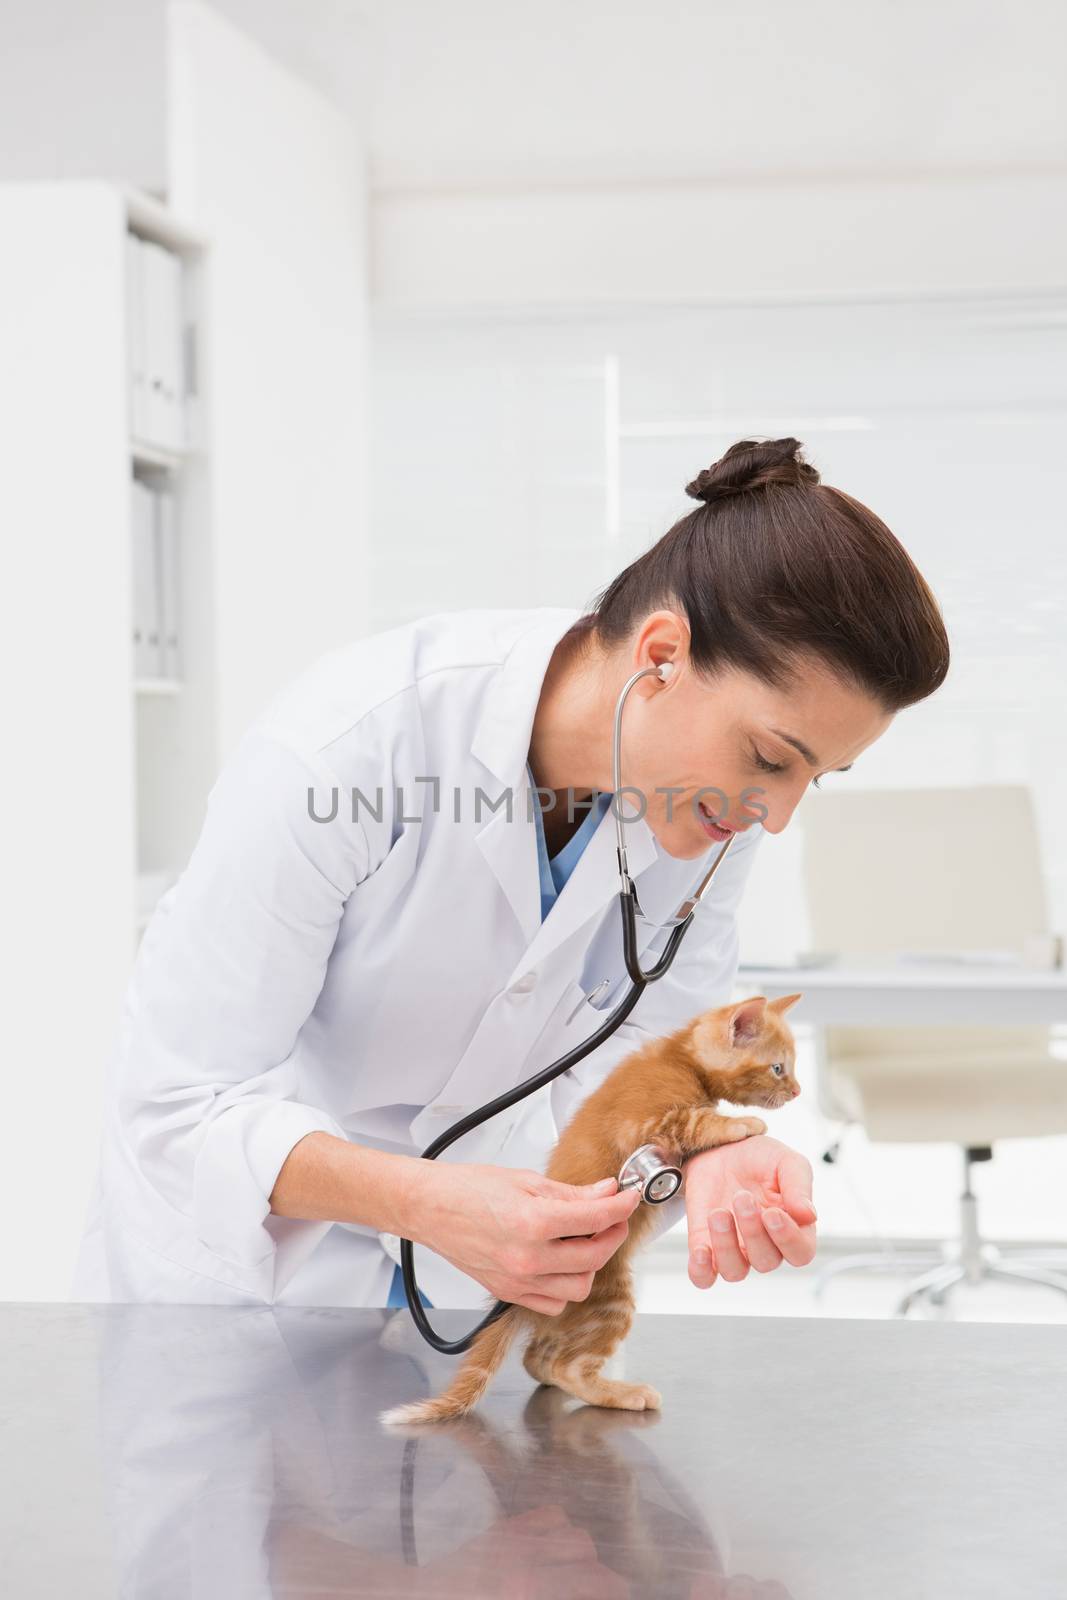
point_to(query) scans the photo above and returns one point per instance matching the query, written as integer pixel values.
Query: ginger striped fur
(666, 1093)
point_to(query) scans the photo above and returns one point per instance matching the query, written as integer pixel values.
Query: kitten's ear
(746, 1019)
(784, 1002)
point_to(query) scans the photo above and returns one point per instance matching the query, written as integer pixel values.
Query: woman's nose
(778, 815)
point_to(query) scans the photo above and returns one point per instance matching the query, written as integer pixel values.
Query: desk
(855, 994)
(217, 1454)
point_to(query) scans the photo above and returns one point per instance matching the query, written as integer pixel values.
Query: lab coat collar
(501, 742)
(501, 739)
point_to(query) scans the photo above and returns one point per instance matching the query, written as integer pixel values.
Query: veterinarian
(378, 929)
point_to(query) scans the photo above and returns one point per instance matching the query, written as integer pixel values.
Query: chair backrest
(937, 869)
(892, 870)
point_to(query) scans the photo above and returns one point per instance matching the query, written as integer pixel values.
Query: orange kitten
(666, 1094)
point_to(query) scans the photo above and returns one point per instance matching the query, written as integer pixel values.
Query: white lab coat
(375, 977)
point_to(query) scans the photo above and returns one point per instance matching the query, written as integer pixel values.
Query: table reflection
(244, 1458)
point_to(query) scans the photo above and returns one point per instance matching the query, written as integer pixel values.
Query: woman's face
(734, 738)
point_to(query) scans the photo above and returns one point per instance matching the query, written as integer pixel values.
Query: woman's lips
(713, 829)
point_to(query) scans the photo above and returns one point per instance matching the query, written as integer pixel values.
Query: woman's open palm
(748, 1205)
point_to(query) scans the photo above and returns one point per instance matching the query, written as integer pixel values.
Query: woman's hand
(529, 1240)
(748, 1205)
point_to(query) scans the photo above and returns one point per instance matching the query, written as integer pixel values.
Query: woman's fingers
(585, 1255)
(571, 1209)
(576, 1230)
(759, 1246)
(758, 1238)
(541, 1303)
(702, 1272)
(559, 1289)
(794, 1184)
(797, 1244)
(730, 1260)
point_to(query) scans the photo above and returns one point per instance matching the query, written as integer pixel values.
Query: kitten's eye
(777, 1068)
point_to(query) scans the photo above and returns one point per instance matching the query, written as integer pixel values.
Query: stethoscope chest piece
(649, 1170)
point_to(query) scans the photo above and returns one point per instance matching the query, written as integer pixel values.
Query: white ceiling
(481, 93)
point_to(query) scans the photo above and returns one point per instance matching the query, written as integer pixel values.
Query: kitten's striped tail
(471, 1381)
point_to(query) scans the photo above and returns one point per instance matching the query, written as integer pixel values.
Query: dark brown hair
(776, 566)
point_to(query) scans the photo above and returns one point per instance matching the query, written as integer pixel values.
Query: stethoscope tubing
(639, 980)
(474, 1119)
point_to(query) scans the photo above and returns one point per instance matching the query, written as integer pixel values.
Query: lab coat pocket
(573, 1019)
(584, 1010)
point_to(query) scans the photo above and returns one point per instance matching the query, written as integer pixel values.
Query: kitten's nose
(796, 1090)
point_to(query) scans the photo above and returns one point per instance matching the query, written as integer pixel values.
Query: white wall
(496, 96)
(610, 152)
(82, 87)
(760, 218)
(711, 243)
(83, 83)
(492, 441)
(279, 188)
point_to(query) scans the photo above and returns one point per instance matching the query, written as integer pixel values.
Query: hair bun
(753, 464)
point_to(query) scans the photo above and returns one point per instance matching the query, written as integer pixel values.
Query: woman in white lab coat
(355, 953)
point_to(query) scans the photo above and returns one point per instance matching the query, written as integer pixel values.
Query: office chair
(887, 871)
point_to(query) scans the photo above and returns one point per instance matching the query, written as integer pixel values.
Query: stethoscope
(647, 1168)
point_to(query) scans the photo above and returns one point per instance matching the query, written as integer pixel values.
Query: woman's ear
(746, 1019)
(784, 1002)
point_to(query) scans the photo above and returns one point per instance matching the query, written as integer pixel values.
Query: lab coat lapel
(510, 848)
(507, 1031)
(508, 840)
(593, 883)
(498, 1054)
(501, 743)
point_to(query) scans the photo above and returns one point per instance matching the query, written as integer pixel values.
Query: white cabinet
(165, 267)
(109, 757)
(105, 769)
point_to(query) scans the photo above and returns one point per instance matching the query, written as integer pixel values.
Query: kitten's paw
(630, 1397)
(743, 1128)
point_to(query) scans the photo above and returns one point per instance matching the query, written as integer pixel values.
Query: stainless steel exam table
(184, 1451)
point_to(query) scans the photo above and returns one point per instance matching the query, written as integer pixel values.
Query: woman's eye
(767, 766)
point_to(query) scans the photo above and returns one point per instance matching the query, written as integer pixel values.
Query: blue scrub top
(555, 870)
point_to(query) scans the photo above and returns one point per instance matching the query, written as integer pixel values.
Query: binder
(175, 362)
(155, 344)
(166, 535)
(136, 354)
(163, 318)
(147, 651)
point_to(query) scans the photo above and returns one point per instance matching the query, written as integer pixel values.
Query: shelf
(157, 455)
(151, 219)
(158, 685)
